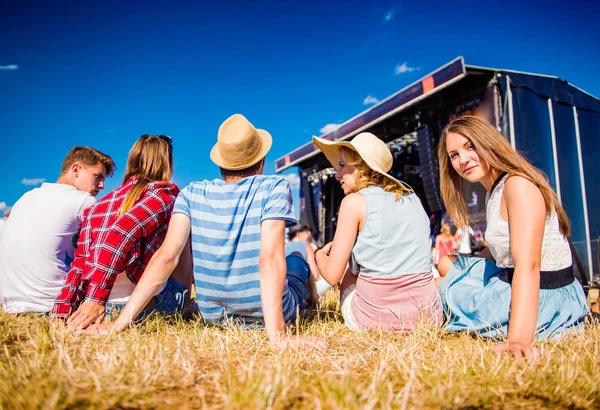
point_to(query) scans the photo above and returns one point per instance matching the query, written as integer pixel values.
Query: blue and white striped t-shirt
(225, 220)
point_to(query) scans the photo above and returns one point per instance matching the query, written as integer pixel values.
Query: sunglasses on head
(166, 139)
(169, 142)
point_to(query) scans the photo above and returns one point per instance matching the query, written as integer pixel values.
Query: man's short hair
(242, 173)
(88, 157)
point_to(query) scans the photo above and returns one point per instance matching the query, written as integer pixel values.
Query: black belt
(553, 279)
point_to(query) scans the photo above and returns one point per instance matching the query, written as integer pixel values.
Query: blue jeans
(169, 301)
(297, 276)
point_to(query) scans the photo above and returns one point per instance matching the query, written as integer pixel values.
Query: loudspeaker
(430, 173)
(308, 213)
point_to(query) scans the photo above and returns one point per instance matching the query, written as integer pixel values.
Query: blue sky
(104, 73)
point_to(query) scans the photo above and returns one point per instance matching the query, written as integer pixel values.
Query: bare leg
(348, 280)
(444, 266)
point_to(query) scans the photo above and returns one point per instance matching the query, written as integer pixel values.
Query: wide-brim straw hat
(240, 145)
(371, 149)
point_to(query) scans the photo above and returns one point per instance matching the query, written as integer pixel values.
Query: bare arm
(272, 275)
(312, 263)
(272, 282)
(350, 220)
(157, 272)
(526, 236)
(457, 235)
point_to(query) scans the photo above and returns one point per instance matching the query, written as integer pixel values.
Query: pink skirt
(394, 304)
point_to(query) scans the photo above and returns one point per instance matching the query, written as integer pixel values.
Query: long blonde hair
(445, 231)
(494, 149)
(149, 161)
(366, 177)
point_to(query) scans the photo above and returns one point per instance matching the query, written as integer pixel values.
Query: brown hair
(366, 177)
(149, 161)
(242, 173)
(494, 149)
(88, 157)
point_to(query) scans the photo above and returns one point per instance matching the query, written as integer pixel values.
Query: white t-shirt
(2, 223)
(37, 246)
(464, 243)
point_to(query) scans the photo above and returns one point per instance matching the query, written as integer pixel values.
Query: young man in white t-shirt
(40, 237)
(3, 220)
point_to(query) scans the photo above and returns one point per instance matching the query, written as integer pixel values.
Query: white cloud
(404, 68)
(293, 180)
(33, 181)
(3, 206)
(9, 67)
(329, 127)
(389, 15)
(370, 100)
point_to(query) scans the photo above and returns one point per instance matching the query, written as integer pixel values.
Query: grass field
(194, 365)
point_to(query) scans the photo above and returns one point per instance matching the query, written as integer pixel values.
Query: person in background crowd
(299, 240)
(444, 243)
(381, 251)
(238, 232)
(119, 236)
(522, 285)
(39, 238)
(463, 240)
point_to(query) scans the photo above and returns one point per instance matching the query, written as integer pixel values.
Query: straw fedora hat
(371, 149)
(240, 145)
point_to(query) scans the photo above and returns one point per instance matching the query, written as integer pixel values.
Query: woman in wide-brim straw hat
(383, 234)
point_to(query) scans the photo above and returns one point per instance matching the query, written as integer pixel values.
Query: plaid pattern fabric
(110, 244)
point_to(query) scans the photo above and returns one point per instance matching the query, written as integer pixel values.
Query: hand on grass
(315, 342)
(101, 329)
(518, 350)
(87, 314)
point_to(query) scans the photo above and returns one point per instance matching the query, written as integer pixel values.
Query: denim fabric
(297, 276)
(169, 301)
(476, 300)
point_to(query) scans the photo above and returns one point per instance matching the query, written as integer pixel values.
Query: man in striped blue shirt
(237, 230)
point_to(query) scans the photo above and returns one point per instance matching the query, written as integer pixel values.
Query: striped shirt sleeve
(182, 203)
(279, 203)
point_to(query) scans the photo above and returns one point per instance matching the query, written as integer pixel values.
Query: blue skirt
(476, 300)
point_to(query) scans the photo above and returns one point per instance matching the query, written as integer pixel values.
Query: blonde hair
(366, 177)
(494, 149)
(149, 161)
(445, 230)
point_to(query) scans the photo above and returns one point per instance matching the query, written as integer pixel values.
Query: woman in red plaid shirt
(119, 235)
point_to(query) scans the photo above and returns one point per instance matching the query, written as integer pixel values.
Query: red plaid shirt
(110, 244)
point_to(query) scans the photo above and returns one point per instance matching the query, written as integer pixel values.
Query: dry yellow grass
(194, 365)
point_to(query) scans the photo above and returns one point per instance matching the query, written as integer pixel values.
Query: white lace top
(556, 253)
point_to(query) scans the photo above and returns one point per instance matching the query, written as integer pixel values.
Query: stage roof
(450, 73)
